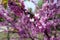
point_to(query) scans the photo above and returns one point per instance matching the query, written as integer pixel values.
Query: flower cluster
(29, 24)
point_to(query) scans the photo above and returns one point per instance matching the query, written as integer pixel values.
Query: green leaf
(4, 2)
(40, 2)
(1, 19)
